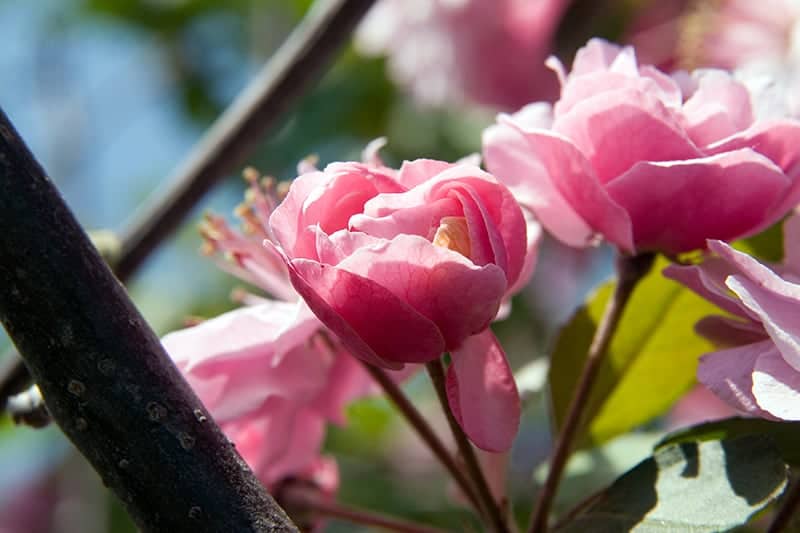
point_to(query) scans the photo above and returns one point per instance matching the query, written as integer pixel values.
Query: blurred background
(111, 95)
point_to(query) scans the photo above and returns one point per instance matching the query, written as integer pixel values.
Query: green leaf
(766, 245)
(651, 362)
(786, 435)
(698, 487)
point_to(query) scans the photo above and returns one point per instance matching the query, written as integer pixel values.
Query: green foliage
(699, 487)
(786, 435)
(652, 359)
(767, 245)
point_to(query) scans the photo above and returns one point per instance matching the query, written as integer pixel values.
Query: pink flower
(758, 371)
(647, 161)
(405, 265)
(487, 51)
(271, 380)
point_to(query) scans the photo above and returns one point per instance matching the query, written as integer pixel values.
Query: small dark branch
(14, 377)
(228, 143)
(630, 270)
(103, 373)
(309, 502)
(425, 432)
(488, 503)
(28, 408)
(788, 509)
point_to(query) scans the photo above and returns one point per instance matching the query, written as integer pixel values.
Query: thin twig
(783, 518)
(630, 271)
(103, 373)
(488, 503)
(424, 430)
(228, 143)
(309, 501)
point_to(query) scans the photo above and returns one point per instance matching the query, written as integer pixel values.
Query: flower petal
(729, 374)
(616, 129)
(550, 176)
(482, 393)
(776, 386)
(675, 206)
(371, 322)
(442, 285)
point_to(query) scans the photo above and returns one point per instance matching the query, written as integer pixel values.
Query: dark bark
(103, 373)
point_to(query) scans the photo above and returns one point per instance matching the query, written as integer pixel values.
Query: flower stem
(436, 372)
(630, 270)
(783, 518)
(311, 501)
(424, 430)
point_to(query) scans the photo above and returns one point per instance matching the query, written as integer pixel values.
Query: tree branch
(229, 141)
(103, 373)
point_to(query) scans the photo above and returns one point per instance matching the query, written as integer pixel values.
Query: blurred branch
(103, 373)
(229, 141)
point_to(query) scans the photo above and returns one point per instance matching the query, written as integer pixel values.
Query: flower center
(454, 235)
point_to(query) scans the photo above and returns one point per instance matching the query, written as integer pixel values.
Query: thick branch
(232, 138)
(103, 373)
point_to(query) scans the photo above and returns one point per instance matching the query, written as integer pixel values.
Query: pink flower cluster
(488, 51)
(647, 161)
(758, 371)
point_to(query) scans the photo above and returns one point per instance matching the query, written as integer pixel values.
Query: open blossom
(486, 51)
(758, 371)
(647, 161)
(268, 372)
(404, 265)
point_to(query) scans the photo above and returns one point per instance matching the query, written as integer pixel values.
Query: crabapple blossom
(647, 161)
(404, 265)
(758, 368)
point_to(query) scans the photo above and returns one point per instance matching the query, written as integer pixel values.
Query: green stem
(630, 270)
(488, 503)
(424, 430)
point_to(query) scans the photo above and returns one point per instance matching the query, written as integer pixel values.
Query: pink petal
(675, 206)
(729, 374)
(724, 331)
(791, 244)
(415, 219)
(777, 140)
(267, 330)
(414, 173)
(551, 177)
(719, 108)
(372, 322)
(491, 212)
(287, 222)
(597, 55)
(305, 431)
(775, 302)
(346, 381)
(459, 297)
(776, 386)
(482, 393)
(708, 280)
(650, 130)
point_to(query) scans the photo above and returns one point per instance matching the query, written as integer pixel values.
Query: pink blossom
(647, 161)
(404, 265)
(487, 51)
(758, 369)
